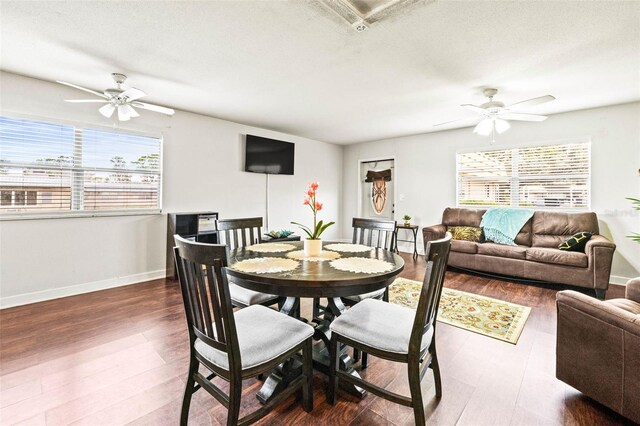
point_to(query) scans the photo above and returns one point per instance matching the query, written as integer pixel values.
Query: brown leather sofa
(598, 348)
(536, 255)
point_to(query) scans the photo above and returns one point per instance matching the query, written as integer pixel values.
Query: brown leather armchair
(598, 348)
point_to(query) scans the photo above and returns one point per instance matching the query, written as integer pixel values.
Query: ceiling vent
(360, 14)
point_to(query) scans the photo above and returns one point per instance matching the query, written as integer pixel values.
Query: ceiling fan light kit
(119, 99)
(496, 116)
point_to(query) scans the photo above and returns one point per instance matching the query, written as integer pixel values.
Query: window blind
(549, 177)
(48, 167)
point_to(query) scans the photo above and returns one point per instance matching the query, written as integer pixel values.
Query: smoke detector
(360, 26)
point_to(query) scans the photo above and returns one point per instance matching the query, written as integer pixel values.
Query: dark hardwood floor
(120, 356)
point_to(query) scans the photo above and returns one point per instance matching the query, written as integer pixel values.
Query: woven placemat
(266, 265)
(348, 248)
(270, 247)
(361, 265)
(322, 257)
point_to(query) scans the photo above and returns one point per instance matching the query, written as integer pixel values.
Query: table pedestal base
(284, 373)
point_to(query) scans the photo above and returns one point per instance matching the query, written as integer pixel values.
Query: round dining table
(317, 277)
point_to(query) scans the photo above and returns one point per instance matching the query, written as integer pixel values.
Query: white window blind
(549, 177)
(48, 167)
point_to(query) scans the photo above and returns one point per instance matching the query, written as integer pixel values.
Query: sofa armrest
(600, 252)
(596, 350)
(435, 232)
(633, 289)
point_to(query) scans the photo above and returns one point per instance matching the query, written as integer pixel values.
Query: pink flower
(318, 206)
(306, 201)
(313, 186)
(310, 193)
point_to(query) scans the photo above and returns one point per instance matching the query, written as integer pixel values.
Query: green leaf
(316, 234)
(304, 228)
(325, 226)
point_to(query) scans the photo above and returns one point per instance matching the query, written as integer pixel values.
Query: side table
(414, 230)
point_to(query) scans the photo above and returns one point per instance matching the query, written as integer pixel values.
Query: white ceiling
(297, 67)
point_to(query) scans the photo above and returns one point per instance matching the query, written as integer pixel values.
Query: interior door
(377, 189)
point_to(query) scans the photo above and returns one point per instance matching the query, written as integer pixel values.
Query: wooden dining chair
(370, 232)
(233, 346)
(238, 233)
(395, 333)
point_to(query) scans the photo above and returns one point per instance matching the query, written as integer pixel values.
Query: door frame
(381, 158)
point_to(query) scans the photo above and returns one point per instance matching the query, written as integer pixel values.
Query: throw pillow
(577, 242)
(466, 233)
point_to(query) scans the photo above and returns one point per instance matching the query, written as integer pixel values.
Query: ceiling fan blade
(534, 101)
(475, 108)
(484, 128)
(107, 110)
(152, 107)
(129, 110)
(132, 94)
(75, 86)
(86, 100)
(522, 117)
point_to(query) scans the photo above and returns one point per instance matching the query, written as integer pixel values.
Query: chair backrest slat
(236, 230)
(436, 255)
(205, 292)
(383, 228)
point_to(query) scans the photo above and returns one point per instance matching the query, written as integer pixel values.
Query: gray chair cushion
(370, 295)
(379, 324)
(244, 296)
(263, 335)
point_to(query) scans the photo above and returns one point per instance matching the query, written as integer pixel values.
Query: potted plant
(313, 244)
(407, 220)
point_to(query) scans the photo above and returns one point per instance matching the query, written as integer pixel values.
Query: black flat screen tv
(271, 156)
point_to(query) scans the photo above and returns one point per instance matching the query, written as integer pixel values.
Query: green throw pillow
(577, 242)
(466, 233)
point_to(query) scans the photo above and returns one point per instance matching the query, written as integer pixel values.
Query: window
(547, 177)
(47, 167)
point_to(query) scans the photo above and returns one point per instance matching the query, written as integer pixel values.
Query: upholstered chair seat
(381, 325)
(263, 335)
(373, 294)
(241, 296)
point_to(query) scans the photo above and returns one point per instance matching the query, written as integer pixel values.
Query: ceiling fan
(122, 100)
(495, 115)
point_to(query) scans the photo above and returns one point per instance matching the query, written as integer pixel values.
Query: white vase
(312, 247)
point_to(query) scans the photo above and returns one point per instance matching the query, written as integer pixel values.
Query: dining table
(340, 270)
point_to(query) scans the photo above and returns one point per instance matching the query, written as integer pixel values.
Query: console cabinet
(198, 226)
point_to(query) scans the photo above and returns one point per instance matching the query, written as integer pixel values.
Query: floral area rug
(484, 315)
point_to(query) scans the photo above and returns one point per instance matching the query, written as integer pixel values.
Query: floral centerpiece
(313, 244)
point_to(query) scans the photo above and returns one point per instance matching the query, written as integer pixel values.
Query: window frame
(13, 216)
(514, 178)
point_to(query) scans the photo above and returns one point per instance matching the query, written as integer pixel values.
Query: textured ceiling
(297, 67)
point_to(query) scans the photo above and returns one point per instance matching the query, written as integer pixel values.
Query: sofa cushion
(626, 304)
(462, 217)
(464, 246)
(500, 250)
(555, 256)
(550, 229)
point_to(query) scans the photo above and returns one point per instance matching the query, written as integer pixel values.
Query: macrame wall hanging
(379, 180)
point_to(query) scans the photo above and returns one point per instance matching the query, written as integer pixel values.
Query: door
(377, 189)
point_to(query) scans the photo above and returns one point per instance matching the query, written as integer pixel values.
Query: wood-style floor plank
(120, 356)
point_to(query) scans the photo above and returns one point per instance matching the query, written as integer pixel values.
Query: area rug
(484, 315)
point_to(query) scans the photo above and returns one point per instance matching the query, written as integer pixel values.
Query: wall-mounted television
(271, 156)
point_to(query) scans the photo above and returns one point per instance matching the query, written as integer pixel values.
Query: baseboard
(56, 293)
(615, 279)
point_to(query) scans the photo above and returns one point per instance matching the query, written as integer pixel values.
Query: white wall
(425, 170)
(202, 170)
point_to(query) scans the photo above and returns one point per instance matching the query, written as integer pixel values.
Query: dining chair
(234, 346)
(370, 232)
(237, 233)
(395, 333)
